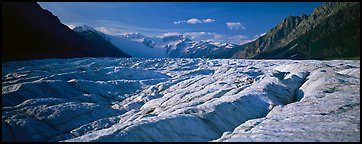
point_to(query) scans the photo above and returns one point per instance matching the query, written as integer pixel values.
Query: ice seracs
(327, 110)
(163, 99)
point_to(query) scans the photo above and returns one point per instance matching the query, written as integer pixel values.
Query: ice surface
(134, 99)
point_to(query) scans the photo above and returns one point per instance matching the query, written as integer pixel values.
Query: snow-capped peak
(134, 35)
(173, 38)
(84, 28)
(173, 45)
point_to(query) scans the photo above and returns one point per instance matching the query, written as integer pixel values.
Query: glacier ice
(164, 99)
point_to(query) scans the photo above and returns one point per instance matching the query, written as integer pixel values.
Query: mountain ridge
(284, 45)
(30, 32)
(172, 46)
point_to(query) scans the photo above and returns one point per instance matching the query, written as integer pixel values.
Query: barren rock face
(302, 37)
(107, 99)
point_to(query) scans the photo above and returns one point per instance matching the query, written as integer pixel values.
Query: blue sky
(233, 22)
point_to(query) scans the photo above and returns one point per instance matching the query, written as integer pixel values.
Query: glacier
(180, 99)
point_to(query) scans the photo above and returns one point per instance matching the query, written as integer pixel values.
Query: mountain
(171, 46)
(127, 43)
(332, 31)
(30, 32)
(180, 46)
(96, 38)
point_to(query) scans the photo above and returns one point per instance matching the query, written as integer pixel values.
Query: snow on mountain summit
(134, 35)
(171, 46)
(179, 45)
(173, 38)
(84, 28)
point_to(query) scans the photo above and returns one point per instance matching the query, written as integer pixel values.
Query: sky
(231, 22)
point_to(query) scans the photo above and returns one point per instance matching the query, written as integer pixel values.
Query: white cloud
(122, 28)
(208, 20)
(235, 25)
(112, 31)
(204, 35)
(215, 35)
(194, 35)
(239, 37)
(246, 41)
(234, 39)
(106, 30)
(178, 22)
(195, 21)
(168, 34)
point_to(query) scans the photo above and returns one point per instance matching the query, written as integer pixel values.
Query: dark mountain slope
(29, 32)
(96, 38)
(332, 31)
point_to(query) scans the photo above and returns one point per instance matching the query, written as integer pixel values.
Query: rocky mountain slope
(331, 31)
(30, 32)
(97, 39)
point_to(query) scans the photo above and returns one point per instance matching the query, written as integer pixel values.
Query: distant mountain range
(30, 32)
(173, 46)
(332, 31)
